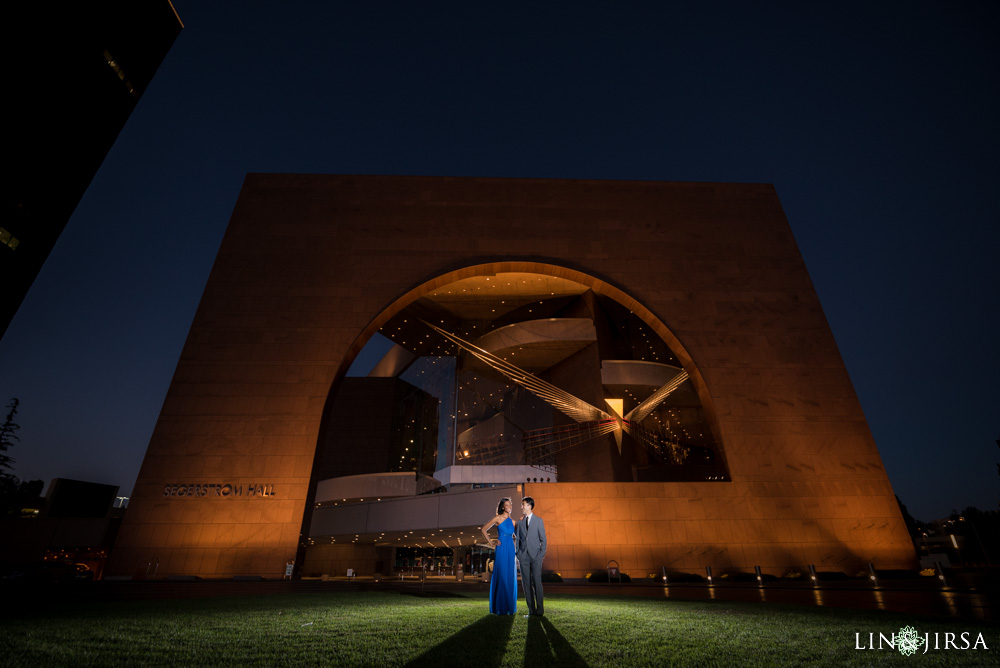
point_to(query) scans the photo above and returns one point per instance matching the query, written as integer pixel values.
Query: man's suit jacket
(531, 541)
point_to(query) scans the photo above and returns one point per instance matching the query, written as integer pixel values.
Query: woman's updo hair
(500, 505)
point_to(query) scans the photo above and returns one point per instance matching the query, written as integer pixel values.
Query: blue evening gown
(503, 584)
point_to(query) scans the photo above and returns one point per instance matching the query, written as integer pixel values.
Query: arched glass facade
(530, 374)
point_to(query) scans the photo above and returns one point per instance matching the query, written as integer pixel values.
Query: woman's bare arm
(486, 527)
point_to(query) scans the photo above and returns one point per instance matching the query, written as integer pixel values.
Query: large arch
(496, 270)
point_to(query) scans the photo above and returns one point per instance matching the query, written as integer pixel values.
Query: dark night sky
(876, 122)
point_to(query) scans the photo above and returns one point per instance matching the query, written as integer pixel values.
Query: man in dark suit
(531, 546)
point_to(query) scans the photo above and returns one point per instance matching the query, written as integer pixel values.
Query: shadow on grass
(545, 646)
(481, 644)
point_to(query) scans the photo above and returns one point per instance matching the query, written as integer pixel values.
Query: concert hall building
(377, 360)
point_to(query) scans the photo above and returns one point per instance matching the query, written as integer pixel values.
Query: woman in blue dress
(503, 584)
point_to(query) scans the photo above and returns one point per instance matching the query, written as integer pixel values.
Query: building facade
(648, 360)
(83, 68)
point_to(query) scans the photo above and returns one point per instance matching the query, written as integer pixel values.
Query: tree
(912, 524)
(8, 437)
(981, 529)
(14, 492)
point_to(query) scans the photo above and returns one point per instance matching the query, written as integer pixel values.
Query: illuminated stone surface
(311, 266)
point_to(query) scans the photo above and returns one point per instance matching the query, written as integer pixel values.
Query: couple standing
(525, 539)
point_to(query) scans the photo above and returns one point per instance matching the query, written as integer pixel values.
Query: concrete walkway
(922, 596)
(916, 599)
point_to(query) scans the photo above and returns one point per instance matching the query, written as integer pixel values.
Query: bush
(737, 576)
(678, 577)
(602, 576)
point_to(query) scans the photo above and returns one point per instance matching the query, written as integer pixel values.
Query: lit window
(118, 70)
(8, 240)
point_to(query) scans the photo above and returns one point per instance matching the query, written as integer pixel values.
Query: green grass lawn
(391, 628)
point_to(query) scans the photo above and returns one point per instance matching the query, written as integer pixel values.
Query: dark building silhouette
(70, 536)
(79, 498)
(78, 70)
